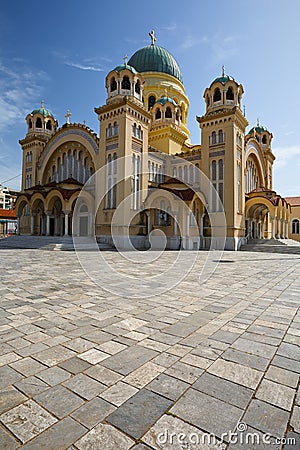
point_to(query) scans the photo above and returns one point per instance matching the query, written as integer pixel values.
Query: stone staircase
(288, 246)
(56, 243)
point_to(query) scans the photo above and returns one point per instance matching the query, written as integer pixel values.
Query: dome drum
(124, 81)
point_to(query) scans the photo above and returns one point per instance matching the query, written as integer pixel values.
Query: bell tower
(41, 125)
(222, 142)
(124, 126)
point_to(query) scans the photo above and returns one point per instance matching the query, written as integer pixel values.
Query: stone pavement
(81, 368)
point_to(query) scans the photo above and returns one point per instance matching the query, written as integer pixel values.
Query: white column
(66, 213)
(32, 223)
(287, 229)
(48, 223)
(272, 228)
(175, 224)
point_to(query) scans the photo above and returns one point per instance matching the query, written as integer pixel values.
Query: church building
(144, 120)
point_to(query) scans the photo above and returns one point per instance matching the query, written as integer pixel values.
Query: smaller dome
(164, 100)
(258, 129)
(223, 79)
(44, 112)
(125, 66)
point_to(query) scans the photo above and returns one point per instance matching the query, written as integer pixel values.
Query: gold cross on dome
(43, 104)
(125, 59)
(223, 71)
(153, 38)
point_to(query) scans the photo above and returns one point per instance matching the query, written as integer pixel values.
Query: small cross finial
(223, 71)
(244, 108)
(67, 116)
(166, 92)
(84, 122)
(153, 38)
(125, 57)
(258, 122)
(43, 104)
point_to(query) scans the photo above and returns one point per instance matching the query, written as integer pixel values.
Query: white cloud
(286, 155)
(221, 47)
(94, 64)
(18, 87)
(83, 66)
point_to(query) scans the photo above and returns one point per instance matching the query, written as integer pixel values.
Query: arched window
(109, 131)
(221, 169)
(30, 123)
(191, 174)
(180, 173)
(185, 174)
(134, 130)
(115, 129)
(158, 114)
(197, 173)
(151, 101)
(48, 125)
(214, 170)
(175, 172)
(177, 116)
(38, 123)
(126, 83)
(113, 85)
(229, 94)
(109, 165)
(295, 226)
(217, 95)
(264, 139)
(213, 138)
(221, 136)
(137, 87)
(168, 113)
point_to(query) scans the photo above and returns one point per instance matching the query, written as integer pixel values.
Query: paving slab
(206, 412)
(138, 413)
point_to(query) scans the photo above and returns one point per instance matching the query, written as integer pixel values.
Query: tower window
(113, 85)
(207, 100)
(229, 94)
(126, 83)
(264, 139)
(213, 138)
(48, 125)
(151, 101)
(38, 123)
(168, 113)
(158, 114)
(137, 87)
(30, 123)
(221, 136)
(217, 95)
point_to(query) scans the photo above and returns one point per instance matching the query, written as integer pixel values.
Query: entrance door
(52, 224)
(83, 226)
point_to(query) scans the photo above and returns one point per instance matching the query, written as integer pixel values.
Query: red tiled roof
(293, 201)
(8, 214)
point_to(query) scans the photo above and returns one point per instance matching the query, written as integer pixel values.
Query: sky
(61, 51)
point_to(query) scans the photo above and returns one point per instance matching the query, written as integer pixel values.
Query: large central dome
(155, 59)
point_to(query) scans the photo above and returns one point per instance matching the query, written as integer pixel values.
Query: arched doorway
(55, 218)
(38, 218)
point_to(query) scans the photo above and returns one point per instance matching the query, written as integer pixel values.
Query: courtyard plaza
(84, 368)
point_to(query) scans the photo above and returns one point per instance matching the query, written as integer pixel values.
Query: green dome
(155, 59)
(42, 111)
(259, 129)
(223, 79)
(125, 66)
(164, 100)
